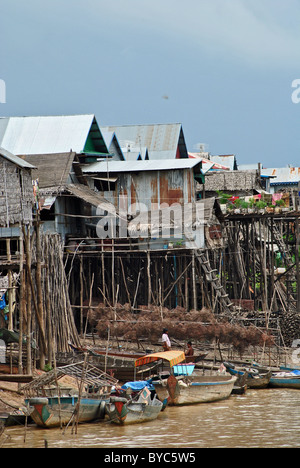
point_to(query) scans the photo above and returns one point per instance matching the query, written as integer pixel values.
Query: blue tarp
(2, 302)
(138, 385)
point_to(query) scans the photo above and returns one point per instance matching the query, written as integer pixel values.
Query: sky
(224, 69)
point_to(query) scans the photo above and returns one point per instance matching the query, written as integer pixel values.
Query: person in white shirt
(166, 340)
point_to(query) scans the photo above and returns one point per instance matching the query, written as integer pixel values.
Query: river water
(259, 419)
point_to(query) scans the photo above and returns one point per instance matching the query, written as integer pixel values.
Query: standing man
(166, 340)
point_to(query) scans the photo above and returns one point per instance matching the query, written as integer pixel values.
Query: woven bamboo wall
(16, 194)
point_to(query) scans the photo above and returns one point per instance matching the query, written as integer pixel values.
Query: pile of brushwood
(287, 322)
(198, 325)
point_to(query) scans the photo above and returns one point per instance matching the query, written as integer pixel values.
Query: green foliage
(261, 205)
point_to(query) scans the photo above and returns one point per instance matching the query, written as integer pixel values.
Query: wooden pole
(29, 277)
(39, 293)
(29, 298)
(51, 352)
(149, 277)
(81, 296)
(186, 285)
(10, 305)
(194, 281)
(22, 300)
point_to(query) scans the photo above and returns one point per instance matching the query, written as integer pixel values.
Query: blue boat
(285, 379)
(59, 411)
(54, 405)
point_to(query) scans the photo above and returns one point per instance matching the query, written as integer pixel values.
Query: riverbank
(11, 399)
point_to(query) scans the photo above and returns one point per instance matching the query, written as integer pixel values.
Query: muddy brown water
(259, 419)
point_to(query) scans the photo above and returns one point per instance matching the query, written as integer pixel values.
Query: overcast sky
(222, 68)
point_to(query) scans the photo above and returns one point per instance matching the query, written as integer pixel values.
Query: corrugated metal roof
(207, 164)
(140, 166)
(162, 140)
(225, 160)
(14, 159)
(283, 175)
(45, 134)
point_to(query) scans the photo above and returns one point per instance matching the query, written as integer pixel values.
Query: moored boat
(59, 411)
(240, 386)
(285, 379)
(194, 389)
(139, 409)
(256, 379)
(189, 389)
(55, 405)
(15, 418)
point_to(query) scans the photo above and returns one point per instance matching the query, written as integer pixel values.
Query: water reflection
(261, 418)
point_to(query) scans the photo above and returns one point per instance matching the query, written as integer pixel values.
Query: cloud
(261, 33)
(252, 31)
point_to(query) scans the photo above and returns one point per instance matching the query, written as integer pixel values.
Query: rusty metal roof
(283, 176)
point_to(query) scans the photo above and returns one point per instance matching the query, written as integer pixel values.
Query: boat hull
(12, 419)
(194, 391)
(55, 412)
(124, 413)
(285, 382)
(257, 381)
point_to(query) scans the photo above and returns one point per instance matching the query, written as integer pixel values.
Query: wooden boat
(54, 406)
(194, 390)
(141, 408)
(240, 386)
(285, 379)
(121, 364)
(256, 378)
(16, 418)
(187, 390)
(59, 411)
(196, 358)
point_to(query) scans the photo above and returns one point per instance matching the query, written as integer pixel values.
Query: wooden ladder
(288, 261)
(211, 277)
(281, 245)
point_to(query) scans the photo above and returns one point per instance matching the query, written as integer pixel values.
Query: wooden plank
(16, 378)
